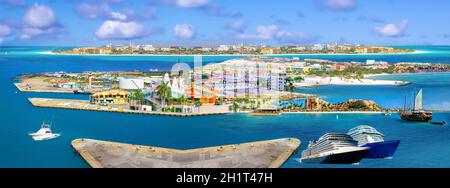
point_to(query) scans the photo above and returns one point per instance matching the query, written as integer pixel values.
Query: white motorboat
(45, 133)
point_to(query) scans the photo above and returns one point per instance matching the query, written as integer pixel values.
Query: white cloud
(92, 11)
(40, 16)
(184, 31)
(30, 32)
(5, 30)
(118, 16)
(39, 20)
(274, 32)
(392, 30)
(267, 32)
(237, 26)
(339, 5)
(120, 30)
(191, 3)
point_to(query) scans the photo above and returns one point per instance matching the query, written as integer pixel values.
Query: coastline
(232, 55)
(317, 81)
(400, 74)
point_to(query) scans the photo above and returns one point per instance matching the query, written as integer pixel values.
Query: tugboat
(334, 148)
(418, 114)
(45, 133)
(367, 136)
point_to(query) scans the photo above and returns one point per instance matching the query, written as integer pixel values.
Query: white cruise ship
(334, 148)
(367, 136)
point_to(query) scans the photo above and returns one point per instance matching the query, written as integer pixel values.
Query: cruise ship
(367, 136)
(334, 148)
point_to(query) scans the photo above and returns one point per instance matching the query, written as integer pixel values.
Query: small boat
(266, 112)
(418, 114)
(82, 92)
(334, 148)
(387, 113)
(439, 123)
(45, 133)
(367, 136)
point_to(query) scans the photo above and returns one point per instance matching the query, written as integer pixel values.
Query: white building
(131, 83)
(177, 86)
(223, 48)
(148, 48)
(317, 47)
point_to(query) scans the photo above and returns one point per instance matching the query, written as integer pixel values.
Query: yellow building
(306, 70)
(361, 50)
(110, 97)
(267, 50)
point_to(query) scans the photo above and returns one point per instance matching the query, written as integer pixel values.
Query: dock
(263, 154)
(71, 104)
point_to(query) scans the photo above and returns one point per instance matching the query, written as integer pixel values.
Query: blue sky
(213, 22)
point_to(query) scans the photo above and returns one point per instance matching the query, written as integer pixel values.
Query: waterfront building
(317, 47)
(68, 85)
(177, 86)
(267, 50)
(223, 48)
(131, 83)
(110, 97)
(148, 48)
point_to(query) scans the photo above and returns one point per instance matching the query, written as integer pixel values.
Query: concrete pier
(86, 105)
(264, 154)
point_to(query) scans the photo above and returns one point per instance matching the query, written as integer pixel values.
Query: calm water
(422, 145)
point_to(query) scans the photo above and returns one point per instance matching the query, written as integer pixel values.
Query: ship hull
(340, 158)
(82, 93)
(417, 116)
(384, 149)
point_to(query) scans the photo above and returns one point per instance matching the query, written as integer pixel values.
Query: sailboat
(417, 114)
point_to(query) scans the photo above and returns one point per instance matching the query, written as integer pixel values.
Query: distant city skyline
(215, 22)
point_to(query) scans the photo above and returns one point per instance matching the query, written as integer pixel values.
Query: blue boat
(367, 136)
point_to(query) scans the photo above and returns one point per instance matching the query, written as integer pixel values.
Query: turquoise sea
(422, 145)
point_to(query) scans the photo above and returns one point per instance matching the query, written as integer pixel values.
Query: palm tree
(183, 100)
(164, 92)
(138, 97)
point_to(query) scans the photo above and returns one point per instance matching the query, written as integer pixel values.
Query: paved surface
(264, 154)
(85, 105)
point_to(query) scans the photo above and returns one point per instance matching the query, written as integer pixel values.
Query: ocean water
(422, 145)
(436, 88)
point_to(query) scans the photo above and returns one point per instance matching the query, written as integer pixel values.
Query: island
(241, 49)
(241, 85)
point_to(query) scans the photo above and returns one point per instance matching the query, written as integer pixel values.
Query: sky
(215, 22)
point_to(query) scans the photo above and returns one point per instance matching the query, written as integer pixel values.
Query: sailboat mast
(414, 100)
(404, 104)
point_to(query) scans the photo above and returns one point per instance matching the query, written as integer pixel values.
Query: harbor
(214, 130)
(86, 105)
(263, 154)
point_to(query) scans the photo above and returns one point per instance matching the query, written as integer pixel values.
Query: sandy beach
(327, 81)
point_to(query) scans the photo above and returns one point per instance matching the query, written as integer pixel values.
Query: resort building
(70, 85)
(110, 97)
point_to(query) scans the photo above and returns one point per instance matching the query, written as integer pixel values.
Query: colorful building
(110, 97)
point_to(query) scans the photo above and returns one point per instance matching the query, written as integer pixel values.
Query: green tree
(137, 96)
(164, 92)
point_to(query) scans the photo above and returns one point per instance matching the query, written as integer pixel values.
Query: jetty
(71, 104)
(263, 154)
